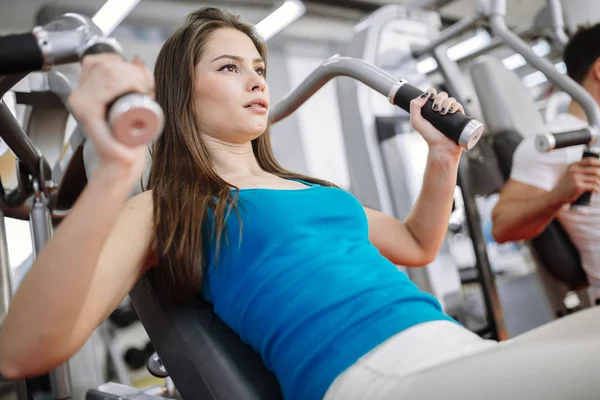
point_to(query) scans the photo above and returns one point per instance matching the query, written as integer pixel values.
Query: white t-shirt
(543, 170)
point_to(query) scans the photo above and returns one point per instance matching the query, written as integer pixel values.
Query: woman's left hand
(442, 103)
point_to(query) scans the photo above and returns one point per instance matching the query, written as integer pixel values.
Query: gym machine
(67, 40)
(382, 145)
(134, 119)
(492, 14)
(562, 273)
(393, 38)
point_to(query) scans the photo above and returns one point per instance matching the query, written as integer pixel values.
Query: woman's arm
(99, 250)
(417, 241)
(95, 257)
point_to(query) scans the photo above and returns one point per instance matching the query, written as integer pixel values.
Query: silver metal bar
(449, 33)
(493, 7)
(558, 22)
(14, 137)
(41, 231)
(458, 85)
(8, 81)
(5, 272)
(579, 94)
(430, 4)
(360, 70)
(41, 226)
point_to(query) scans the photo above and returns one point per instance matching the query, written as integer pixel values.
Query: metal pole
(449, 33)
(8, 81)
(458, 85)
(360, 70)
(41, 231)
(558, 23)
(5, 272)
(495, 317)
(6, 290)
(578, 93)
(462, 89)
(17, 141)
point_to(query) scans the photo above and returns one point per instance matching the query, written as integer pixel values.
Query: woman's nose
(257, 83)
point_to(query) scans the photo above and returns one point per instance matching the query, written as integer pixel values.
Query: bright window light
(281, 18)
(112, 13)
(534, 79)
(427, 65)
(466, 47)
(469, 45)
(513, 62)
(561, 67)
(474, 43)
(541, 48)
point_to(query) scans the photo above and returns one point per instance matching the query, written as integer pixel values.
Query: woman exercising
(297, 267)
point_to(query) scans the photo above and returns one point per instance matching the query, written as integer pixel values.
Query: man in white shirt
(543, 185)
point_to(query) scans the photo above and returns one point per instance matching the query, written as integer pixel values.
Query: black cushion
(554, 248)
(505, 144)
(559, 256)
(203, 356)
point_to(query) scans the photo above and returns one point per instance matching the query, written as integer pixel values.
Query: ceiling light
(112, 13)
(281, 18)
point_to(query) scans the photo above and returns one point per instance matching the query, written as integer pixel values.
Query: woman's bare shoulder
(142, 201)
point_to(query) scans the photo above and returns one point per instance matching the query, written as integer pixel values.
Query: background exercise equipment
(459, 128)
(381, 144)
(135, 118)
(66, 39)
(233, 370)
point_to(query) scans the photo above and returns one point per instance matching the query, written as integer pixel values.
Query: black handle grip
(100, 48)
(459, 128)
(583, 202)
(567, 139)
(20, 53)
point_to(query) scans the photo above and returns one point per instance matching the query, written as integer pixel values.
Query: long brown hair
(183, 181)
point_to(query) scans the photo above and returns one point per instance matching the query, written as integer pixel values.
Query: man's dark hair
(582, 51)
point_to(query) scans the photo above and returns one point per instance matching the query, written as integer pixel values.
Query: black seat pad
(203, 356)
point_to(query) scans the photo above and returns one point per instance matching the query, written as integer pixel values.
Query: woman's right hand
(104, 78)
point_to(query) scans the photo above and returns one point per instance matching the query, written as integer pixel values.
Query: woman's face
(231, 94)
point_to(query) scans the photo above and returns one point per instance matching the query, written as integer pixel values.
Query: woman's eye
(260, 71)
(229, 68)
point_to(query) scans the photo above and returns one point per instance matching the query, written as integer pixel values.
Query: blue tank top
(306, 289)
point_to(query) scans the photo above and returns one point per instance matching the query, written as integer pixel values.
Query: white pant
(441, 360)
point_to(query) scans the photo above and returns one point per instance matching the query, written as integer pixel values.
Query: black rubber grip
(567, 139)
(450, 125)
(20, 53)
(584, 199)
(100, 48)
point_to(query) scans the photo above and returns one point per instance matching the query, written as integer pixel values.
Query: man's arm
(522, 212)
